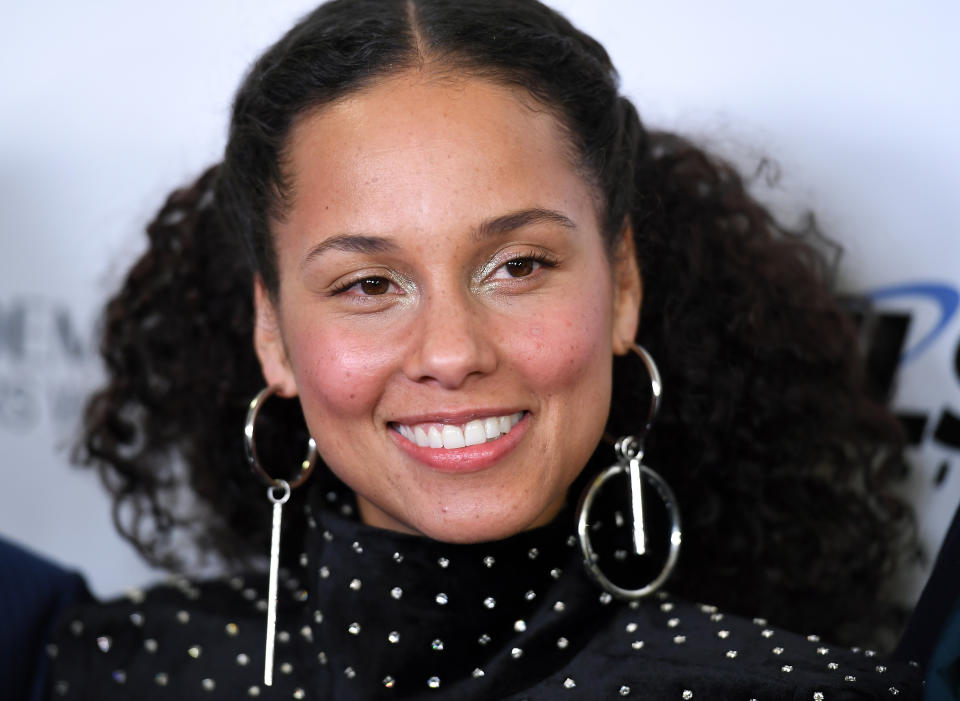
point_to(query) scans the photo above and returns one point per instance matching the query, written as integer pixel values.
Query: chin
(483, 524)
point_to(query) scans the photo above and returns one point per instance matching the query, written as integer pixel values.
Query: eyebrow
(490, 228)
(499, 226)
(351, 243)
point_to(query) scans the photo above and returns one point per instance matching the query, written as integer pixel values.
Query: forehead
(415, 148)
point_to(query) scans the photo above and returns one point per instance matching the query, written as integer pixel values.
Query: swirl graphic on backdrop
(933, 422)
(946, 297)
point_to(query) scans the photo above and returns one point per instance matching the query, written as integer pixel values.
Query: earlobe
(268, 342)
(627, 291)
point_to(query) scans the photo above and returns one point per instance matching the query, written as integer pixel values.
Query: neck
(404, 609)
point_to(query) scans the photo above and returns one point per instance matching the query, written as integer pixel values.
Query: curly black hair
(783, 465)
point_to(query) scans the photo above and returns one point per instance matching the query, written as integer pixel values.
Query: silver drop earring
(278, 492)
(642, 481)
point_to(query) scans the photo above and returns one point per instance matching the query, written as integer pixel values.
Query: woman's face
(446, 311)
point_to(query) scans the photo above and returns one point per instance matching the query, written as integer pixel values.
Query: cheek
(568, 345)
(339, 373)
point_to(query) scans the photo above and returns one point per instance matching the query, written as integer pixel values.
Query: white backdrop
(107, 106)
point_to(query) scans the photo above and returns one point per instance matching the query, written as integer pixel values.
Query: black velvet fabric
(940, 596)
(379, 615)
(33, 594)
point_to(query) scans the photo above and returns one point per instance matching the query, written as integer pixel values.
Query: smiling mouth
(453, 436)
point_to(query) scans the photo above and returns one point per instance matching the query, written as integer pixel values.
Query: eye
(374, 285)
(519, 267)
(370, 286)
(524, 266)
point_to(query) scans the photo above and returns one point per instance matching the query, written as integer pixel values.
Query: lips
(459, 430)
(450, 436)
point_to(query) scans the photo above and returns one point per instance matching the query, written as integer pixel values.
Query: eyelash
(348, 284)
(540, 257)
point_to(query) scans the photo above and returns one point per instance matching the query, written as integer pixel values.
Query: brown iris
(520, 267)
(374, 286)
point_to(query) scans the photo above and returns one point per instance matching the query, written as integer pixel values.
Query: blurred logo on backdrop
(910, 337)
(47, 365)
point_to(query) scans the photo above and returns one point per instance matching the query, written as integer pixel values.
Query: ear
(627, 292)
(268, 342)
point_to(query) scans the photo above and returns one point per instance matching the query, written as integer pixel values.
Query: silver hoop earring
(629, 451)
(306, 467)
(278, 492)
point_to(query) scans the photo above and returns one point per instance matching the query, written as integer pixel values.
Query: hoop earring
(253, 411)
(273, 485)
(629, 451)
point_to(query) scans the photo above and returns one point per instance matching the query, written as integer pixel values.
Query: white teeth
(420, 437)
(473, 433)
(453, 437)
(449, 436)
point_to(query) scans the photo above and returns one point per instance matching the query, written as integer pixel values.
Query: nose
(451, 342)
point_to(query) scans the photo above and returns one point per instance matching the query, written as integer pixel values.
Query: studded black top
(380, 615)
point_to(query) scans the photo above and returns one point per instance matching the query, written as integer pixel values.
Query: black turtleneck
(378, 614)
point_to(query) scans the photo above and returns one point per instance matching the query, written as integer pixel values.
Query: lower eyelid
(355, 290)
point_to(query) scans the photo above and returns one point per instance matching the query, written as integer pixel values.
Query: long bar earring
(629, 451)
(273, 485)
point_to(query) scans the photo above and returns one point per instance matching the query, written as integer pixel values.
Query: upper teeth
(436, 435)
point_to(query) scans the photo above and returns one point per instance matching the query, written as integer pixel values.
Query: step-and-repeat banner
(108, 106)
